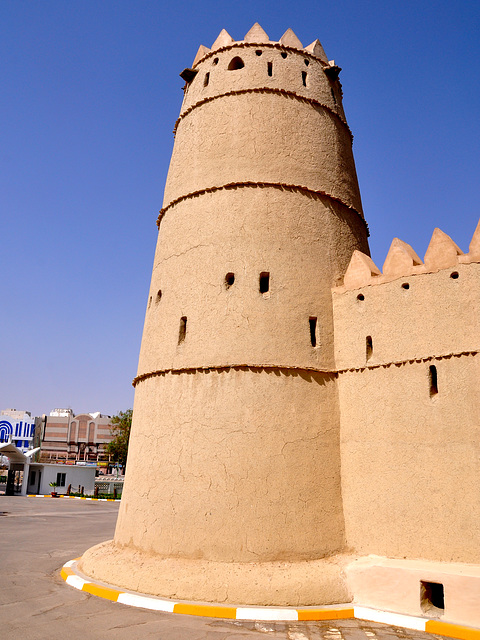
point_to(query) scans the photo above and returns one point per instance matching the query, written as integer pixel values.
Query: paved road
(38, 535)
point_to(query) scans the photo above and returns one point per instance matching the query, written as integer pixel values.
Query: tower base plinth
(314, 582)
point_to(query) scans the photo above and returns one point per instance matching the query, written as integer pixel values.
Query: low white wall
(76, 476)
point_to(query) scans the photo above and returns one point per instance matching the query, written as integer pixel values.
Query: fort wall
(407, 352)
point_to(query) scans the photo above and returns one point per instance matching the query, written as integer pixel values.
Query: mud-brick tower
(233, 487)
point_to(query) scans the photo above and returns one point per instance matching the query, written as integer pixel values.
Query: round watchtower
(233, 482)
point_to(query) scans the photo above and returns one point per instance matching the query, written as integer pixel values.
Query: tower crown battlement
(257, 63)
(257, 35)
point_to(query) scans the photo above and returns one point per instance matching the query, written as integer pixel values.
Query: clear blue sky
(89, 95)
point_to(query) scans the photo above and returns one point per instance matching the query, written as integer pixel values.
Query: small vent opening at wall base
(432, 599)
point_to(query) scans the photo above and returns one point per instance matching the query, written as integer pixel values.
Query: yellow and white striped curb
(438, 627)
(63, 495)
(269, 614)
(70, 576)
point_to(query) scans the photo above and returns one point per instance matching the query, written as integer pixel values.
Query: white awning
(12, 453)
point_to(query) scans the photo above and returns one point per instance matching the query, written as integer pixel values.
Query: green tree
(117, 449)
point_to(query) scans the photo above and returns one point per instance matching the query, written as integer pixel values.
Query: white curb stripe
(69, 563)
(252, 613)
(147, 603)
(395, 619)
(76, 581)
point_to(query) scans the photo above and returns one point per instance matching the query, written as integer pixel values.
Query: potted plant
(54, 485)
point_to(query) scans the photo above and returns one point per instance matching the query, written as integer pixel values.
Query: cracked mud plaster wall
(410, 471)
(303, 242)
(234, 465)
(278, 139)
(286, 72)
(263, 137)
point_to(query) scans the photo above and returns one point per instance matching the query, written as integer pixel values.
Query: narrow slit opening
(313, 331)
(264, 283)
(182, 330)
(432, 372)
(159, 296)
(304, 78)
(270, 68)
(368, 347)
(333, 96)
(206, 80)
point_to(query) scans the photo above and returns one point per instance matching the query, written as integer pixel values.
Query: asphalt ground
(38, 535)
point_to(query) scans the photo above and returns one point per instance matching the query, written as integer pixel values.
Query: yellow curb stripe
(101, 592)
(206, 611)
(452, 630)
(325, 614)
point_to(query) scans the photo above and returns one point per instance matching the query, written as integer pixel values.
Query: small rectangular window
(183, 329)
(61, 479)
(270, 68)
(433, 380)
(313, 331)
(264, 282)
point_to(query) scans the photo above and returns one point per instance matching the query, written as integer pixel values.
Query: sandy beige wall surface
(286, 73)
(410, 472)
(234, 465)
(303, 242)
(436, 315)
(273, 138)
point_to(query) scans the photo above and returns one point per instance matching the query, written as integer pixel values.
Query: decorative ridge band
(271, 367)
(270, 45)
(399, 363)
(282, 92)
(223, 367)
(274, 185)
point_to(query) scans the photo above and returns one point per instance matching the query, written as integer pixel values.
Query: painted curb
(268, 614)
(62, 495)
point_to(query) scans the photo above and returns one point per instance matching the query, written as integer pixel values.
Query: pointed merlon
(474, 249)
(224, 39)
(360, 271)
(289, 39)
(257, 34)
(400, 260)
(317, 50)
(202, 51)
(442, 252)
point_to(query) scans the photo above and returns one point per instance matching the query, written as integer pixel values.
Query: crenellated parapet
(402, 261)
(286, 64)
(420, 311)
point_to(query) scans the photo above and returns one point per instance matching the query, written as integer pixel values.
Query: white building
(17, 427)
